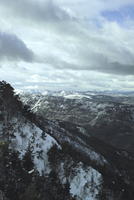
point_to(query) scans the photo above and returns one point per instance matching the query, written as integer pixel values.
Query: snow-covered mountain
(109, 118)
(29, 155)
(56, 160)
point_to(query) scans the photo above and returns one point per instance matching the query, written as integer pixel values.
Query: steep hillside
(33, 164)
(113, 117)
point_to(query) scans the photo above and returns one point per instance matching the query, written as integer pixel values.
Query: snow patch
(30, 136)
(86, 183)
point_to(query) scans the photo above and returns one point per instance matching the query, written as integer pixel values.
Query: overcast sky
(67, 44)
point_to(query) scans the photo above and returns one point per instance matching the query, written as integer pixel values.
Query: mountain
(109, 118)
(45, 159)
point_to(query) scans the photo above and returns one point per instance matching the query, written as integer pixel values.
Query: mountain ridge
(54, 159)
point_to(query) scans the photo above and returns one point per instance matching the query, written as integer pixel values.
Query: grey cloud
(12, 48)
(46, 10)
(102, 63)
(96, 62)
(118, 69)
(114, 68)
(92, 62)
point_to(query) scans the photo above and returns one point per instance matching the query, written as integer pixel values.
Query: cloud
(44, 11)
(90, 9)
(108, 49)
(13, 48)
(76, 44)
(59, 10)
(102, 64)
(116, 68)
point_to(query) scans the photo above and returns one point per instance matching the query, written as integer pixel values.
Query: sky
(67, 44)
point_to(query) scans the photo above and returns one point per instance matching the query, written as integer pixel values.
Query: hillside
(43, 159)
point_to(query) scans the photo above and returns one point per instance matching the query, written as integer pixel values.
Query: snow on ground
(30, 136)
(76, 96)
(86, 183)
(36, 106)
(82, 130)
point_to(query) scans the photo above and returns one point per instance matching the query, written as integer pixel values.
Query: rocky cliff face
(42, 159)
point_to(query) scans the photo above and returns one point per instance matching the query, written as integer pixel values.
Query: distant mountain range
(60, 146)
